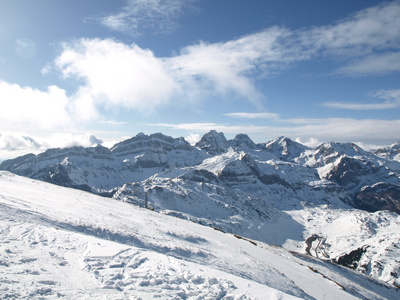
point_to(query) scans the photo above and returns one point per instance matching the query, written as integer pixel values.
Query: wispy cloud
(245, 115)
(333, 129)
(137, 16)
(372, 64)
(231, 67)
(371, 29)
(391, 100)
(113, 122)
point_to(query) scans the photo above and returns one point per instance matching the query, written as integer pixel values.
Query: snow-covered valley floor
(57, 242)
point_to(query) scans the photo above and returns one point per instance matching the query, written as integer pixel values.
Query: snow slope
(58, 242)
(280, 193)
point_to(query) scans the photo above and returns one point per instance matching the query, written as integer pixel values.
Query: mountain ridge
(254, 190)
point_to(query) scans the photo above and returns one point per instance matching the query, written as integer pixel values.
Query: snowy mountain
(285, 148)
(99, 169)
(391, 152)
(329, 202)
(372, 182)
(64, 243)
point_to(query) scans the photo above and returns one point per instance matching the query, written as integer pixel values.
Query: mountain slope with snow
(391, 152)
(253, 190)
(60, 242)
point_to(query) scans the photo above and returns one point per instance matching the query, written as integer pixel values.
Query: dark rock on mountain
(352, 259)
(213, 142)
(328, 152)
(285, 148)
(243, 139)
(381, 196)
(200, 176)
(348, 171)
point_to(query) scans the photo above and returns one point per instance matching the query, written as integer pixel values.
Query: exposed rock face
(285, 148)
(243, 139)
(352, 259)
(380, 196)
(213, 142)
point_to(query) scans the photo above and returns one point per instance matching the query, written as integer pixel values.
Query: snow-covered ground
(57, 242)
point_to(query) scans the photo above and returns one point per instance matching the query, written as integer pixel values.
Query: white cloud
(31, 107)
(312, 142)
(14, 144)
(231, 67)
(137, 16)
(115, 75)
(118, 75)
(244, 115)
(116, 123)
(374, 28)
(373, 64)
(17, 141)
(193, 138)
(391, 100)
(62, 140)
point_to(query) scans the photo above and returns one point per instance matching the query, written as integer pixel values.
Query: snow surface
(280, 193)
(58, 242)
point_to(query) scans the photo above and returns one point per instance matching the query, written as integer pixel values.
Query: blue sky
(81, 72)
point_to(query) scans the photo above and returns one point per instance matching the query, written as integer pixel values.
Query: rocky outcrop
(213, 142)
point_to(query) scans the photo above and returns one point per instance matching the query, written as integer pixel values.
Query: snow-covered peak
(285, 148)
(390, 152)
(349, 149)
(327, 153)
(213, 142)
(152, 142)
(243, 139)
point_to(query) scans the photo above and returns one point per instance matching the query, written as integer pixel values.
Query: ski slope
(57, 242)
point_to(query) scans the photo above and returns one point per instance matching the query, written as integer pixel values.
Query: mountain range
(336, 202)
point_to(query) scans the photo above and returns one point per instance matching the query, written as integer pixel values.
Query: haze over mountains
(336, 201)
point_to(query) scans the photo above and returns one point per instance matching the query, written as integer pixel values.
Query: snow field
(63, 243)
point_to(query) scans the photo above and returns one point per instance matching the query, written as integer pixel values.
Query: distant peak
(285, 148)
(243, 139)
(213, 142)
